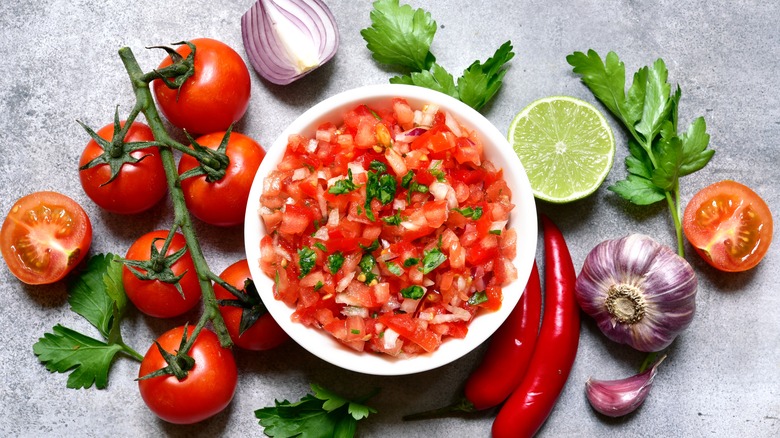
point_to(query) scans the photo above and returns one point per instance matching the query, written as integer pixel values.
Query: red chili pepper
(531, 403)
(509, 353)
(506, 359)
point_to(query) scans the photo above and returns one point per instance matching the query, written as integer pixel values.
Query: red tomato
(44, 236)
(206, 390)
(265, 333)
(214, 97)
(154, 297)
(222, 202)
(729, 225)
(137, 187)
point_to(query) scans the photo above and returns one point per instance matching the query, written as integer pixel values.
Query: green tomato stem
(182, 219)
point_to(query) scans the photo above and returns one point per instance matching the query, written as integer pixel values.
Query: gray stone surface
(58, 63)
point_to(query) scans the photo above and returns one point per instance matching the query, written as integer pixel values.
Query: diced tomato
(409, 328)
(359, 309)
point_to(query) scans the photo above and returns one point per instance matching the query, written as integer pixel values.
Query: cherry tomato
(729, 225)
(155, 297)
(206, 390)
(44, 236)
(222, 202)
(214, 97)
(265, 333)
(137, 187)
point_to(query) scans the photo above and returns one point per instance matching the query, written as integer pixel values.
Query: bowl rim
(319, 342)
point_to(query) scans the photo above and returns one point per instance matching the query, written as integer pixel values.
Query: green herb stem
(182, 218)
(130, 351)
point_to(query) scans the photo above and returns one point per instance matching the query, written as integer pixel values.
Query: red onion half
(287, 39)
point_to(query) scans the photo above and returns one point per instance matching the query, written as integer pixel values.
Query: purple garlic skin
(615, 398)
(640, 292)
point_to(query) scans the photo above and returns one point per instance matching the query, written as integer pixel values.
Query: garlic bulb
(640, 292)
(615, 398)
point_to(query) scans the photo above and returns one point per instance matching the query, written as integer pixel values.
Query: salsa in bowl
(390, 229)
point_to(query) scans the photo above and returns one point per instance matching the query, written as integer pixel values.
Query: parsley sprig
(98, 296)
(321, 414)
(659, 156)
(400, 35)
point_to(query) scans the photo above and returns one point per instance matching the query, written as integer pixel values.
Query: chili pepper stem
(462, 406)
(182, 217)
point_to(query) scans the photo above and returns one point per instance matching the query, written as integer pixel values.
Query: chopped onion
(410, 135)
(287, 39)
(322, 234)
(452, 124)
(300, 174)
(389, 338)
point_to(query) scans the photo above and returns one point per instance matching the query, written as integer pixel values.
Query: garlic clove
(615, 398)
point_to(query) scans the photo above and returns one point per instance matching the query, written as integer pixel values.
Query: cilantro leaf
(413, 292)
(478, 298)
(307, 258)
(97, 295)
(95, 292)
(400, 35)
(324, 414)
(432, 259)
(343, 186)
(658, 155)
(87, 359)
(335, 261)
(480, 82)
(436, 78)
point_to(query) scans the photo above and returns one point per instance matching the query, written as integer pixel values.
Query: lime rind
(565, 145)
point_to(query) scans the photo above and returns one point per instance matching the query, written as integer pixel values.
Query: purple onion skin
(664, 280)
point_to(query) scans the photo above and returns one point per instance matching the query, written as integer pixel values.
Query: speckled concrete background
(58, 63)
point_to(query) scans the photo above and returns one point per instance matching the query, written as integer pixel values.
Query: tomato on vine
(219, 196)
(160, 283)
(206, 381)
(45, 236)
(250, 325)
(216, 94)
(120, 175)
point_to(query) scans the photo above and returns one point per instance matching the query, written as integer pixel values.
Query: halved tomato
(729, 225)
(44, 236)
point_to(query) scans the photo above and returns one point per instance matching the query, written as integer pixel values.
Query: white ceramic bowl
(523, 219)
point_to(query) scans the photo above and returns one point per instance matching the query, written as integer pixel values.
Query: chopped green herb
(496, 232)
(355, 331)
(335, 261)
(414, 292)
(319, 285)
(371, 248)
(411, 261)
(432, 259)
(343, 186)
(478, 298)
(394, 219)
(307, 258)
(366, 266)
(394, 268)
(472, 213)
(320, 246)
(378, 166)
(436, 171)
(407, 179)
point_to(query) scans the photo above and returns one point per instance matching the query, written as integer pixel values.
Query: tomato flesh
(729, 225)
(45, 236)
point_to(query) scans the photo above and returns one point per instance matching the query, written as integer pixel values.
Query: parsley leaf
(97, 295)
(411, 261)
(400, 35)
(87, 359)
(480, 82)
(658, 155)
(477, 298)
(323, 414)
(394, 219)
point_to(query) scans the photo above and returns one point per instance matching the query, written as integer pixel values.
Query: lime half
(565, 145)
